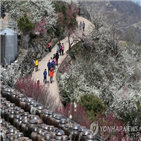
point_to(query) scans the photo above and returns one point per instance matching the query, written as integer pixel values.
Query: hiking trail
(53, 87)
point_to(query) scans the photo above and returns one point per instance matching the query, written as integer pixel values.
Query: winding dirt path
(53, 87)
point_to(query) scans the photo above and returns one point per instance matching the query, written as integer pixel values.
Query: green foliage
(93, 105)
(24, 24)
(60, 7)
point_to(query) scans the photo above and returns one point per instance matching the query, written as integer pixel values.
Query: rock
(54, 41)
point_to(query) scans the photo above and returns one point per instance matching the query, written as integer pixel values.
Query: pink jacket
(55, 61)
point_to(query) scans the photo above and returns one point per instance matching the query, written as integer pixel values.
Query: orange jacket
(51, 73)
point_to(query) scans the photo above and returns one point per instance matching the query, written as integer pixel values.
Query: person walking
(80, 25)
(36, 65)
(52, 64)
(47, 46)
(63, 49)
(45, 76)
(57, 57)
(51, 75)
(49, 66)
(83, 25)
(58, 48)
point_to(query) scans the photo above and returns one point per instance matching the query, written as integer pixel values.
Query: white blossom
(35, 10)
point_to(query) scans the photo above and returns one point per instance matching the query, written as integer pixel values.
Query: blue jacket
(45, 73)
(49, 65)
(53, 63)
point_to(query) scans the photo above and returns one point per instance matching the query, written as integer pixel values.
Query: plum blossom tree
(40, 27)
(70, 21)
(36, 10)
(67, 19)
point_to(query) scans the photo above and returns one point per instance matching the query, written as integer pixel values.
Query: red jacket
(48, 45)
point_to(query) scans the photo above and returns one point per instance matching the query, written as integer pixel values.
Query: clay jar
(23, 125)
(59, 134)
(56, 119)
(27, 104)
(48, 137)
(67, 129)
(44, 127)
(3, 108)
(33, 108)
(84, 134)
(80, 132)
(22, 102)
(44, 116)
(11, 116)
(5, 91)
(6, 115)
(18, 122)
(33, 136)
(18, 135)
(90, 137)
(62, 123)
(16, 119)
(39, 110)
(49, 121)
(13, 96)
(64, 138)
(19, 97)
(75, 132)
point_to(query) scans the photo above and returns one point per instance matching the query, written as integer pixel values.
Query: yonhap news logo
(95, 128)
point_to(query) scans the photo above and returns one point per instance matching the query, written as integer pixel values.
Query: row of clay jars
(10, 133)
(20, 119)
(46, 115)
(46, 132)
(30, 123)
(26, 103)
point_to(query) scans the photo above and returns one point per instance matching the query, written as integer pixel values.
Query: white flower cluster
(69, 1)
(35, 10)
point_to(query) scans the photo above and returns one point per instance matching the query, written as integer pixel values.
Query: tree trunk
(69, 42)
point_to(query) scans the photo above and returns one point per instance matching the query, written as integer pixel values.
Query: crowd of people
(52, 63)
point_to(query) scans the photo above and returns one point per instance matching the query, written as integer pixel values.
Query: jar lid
(86, 132)
(59, 132)
(40, 108)
(75, 127)
(63, 121)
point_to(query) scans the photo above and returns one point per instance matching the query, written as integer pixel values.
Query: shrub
(24, 24)
(79, 114)
(93, 105)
